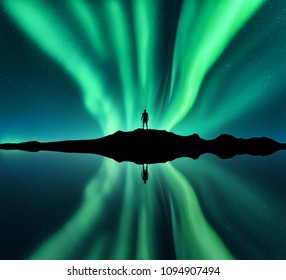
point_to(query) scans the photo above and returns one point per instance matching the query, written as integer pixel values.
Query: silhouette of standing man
(145, 118)
(145, 173)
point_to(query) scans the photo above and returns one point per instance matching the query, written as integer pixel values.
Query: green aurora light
(203, 32)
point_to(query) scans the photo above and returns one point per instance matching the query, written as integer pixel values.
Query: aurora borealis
(83, 69)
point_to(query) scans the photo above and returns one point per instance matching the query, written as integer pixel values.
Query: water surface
(71, 206)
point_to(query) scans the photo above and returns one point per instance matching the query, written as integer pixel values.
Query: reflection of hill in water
(155, 146)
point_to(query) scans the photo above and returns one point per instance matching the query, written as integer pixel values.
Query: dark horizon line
(155, 146)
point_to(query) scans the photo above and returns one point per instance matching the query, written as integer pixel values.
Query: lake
(75, 206)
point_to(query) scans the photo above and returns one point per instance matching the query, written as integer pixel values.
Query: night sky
(83, 69)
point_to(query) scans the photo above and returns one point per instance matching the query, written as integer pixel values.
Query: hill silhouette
(155, 146)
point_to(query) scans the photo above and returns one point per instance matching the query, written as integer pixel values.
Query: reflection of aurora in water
(136, 58)
(193, 236)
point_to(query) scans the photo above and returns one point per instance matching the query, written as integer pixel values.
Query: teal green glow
(121, 248)
(252, 88)
(224, 183)
(118, 26)
(193, 236)
(88, 18)
(216, 25)
(57, 41)
(201, 36)
(146, 243)
(257, 89)
(63, 243)
(146, 31)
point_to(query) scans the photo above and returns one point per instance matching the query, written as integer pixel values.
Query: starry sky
(83, 69)
(78, 69)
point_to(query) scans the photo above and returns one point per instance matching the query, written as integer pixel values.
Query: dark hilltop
(155, 146)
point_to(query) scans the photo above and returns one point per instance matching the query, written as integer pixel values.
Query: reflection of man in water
(145, 174)
(145, 118)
